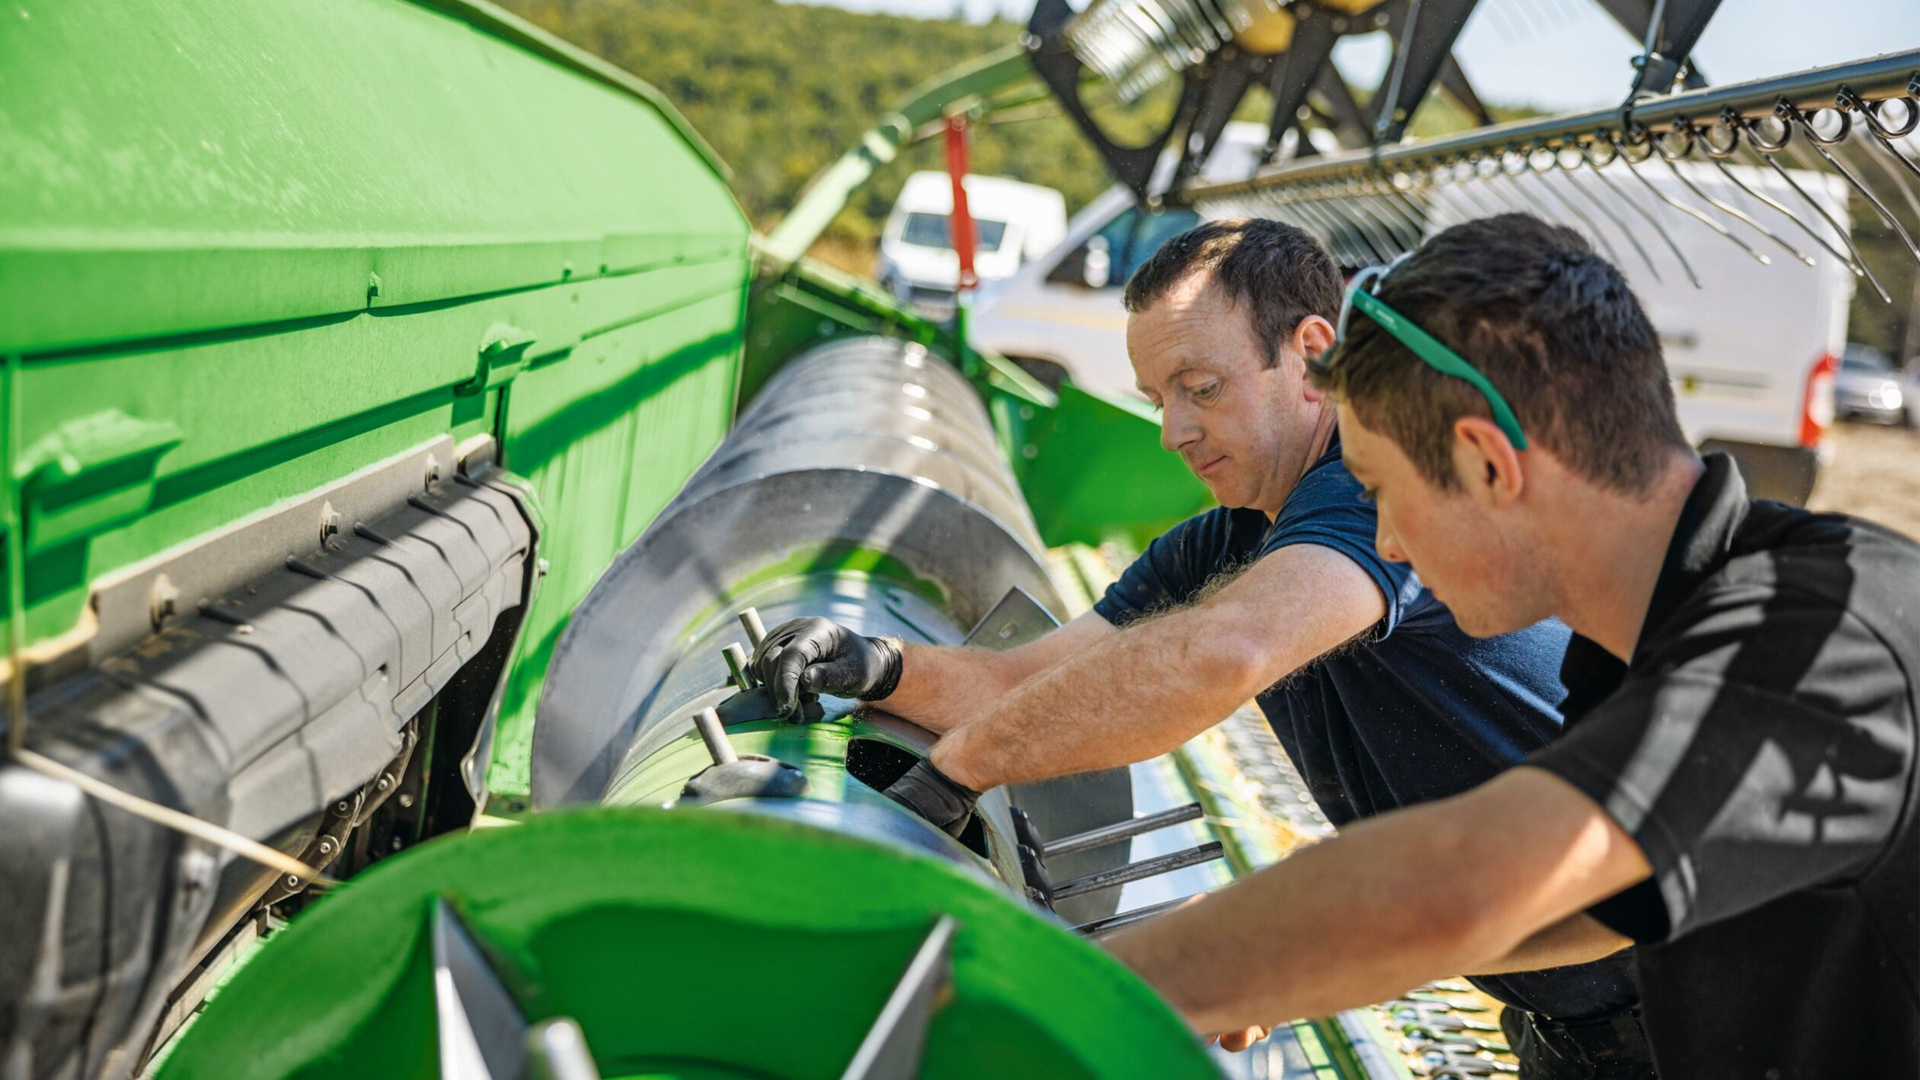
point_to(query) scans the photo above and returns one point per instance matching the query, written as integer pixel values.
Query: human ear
(1311, 338)
(1486, 463)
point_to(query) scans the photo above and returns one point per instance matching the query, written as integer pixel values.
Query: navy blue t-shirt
(1416, 710)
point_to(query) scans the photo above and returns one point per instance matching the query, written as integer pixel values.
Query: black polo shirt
(1760, 748)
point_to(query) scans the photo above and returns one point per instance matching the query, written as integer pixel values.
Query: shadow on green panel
(528, 451)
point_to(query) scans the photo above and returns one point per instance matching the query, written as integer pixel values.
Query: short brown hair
(1552, 325)
(1275, 272)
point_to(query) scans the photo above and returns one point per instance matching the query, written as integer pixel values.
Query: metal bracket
(894, 1045)
(1034, 851)
(90, 475)
(503, 355)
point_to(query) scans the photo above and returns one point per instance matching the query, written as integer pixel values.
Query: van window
(1130, 238)
(930, 230)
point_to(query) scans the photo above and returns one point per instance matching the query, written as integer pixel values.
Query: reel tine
(1735, 213)
(1704, 219)
(1573, 179)
(1858, 261)
(1651, 220)
(1766, 200)
(1592, 228)
(1815, 140)
(1470, 192)
(1894, 178)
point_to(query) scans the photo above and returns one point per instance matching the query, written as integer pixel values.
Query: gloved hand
(822, 657)
(934, 795)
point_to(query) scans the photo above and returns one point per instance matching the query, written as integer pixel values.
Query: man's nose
(1176, 430)
(1387, 543)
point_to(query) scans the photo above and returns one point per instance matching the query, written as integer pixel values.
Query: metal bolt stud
(557, 1050)
(736, 658)
(756, 630)
(707, 722)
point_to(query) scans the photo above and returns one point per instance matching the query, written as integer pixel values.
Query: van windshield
(930, 230)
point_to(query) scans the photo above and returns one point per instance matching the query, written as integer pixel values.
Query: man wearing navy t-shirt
(1278, 596)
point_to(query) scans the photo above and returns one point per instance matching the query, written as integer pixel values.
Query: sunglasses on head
(1360, 296)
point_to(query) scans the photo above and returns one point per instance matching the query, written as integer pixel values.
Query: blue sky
(1566, 54)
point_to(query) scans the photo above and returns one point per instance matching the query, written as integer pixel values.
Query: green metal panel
(249, 249)
(1092, 467)
(639, 931)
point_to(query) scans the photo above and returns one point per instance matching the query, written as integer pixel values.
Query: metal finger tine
(1893, 150)
(1395, 223)
(1391, 196)
(1573, 181)
(1580, 215)
(1651, 220)
(1285, 212)
(1735, 213)
(1398, 239)
(1534, 205)
(1893, 175)
(1391, 202)
(1339, 220)
(1417, 212)
(1290, 213)
(1768, 200)
(1697, 215)
(1858, 262)
(1859, 185)
(1334, 235)
(1379, 241)
(1471, 192)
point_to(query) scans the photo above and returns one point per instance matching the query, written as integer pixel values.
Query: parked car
(1013, 223)
(1870, 388)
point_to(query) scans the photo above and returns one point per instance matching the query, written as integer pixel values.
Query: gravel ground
(1874, 474)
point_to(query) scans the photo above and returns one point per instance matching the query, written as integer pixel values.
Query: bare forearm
(941, 686)
(1128, 698)
(1456, 886)
(1577, 939)
(1327, 929)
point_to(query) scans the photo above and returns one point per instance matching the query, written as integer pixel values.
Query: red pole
(960, 222)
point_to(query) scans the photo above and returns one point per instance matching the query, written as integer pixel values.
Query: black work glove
(935, 796)
(820, 656)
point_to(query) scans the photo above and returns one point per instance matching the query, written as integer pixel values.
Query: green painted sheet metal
(647, 919)
(1092, 467)
(606, 437)
(249, 249)
(200, 164)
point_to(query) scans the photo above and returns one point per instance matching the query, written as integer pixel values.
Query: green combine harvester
(404, 432)
(347, 347)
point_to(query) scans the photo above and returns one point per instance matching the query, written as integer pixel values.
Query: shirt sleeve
(1172, 569)
(1327, 509)
(1761, 749)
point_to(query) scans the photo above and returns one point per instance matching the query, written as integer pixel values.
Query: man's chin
(1485, 624)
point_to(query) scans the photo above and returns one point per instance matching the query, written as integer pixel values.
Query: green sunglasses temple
(1440, 358)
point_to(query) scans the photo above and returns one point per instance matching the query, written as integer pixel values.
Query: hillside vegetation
(780, 90)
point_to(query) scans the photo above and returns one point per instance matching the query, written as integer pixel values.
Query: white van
(1752, 351)
(1013, 222)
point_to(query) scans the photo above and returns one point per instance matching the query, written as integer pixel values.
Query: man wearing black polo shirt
(1377, 695)
(1736, 786)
